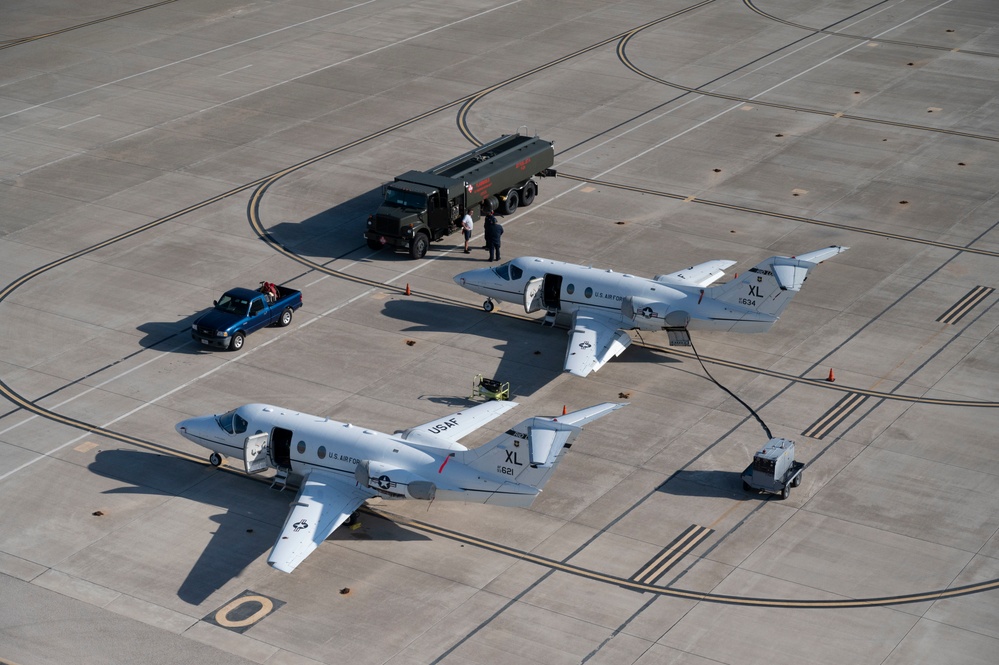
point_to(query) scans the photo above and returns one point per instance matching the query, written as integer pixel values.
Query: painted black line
(834, 416)
(961, 308)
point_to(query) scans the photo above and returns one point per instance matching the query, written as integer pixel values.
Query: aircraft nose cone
(459, 279)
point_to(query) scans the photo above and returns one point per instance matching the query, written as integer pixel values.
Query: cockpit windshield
(508, 271)
(232, 305)
(231, 422)
(404, 199)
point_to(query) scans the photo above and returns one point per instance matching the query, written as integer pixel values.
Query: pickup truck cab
(240, 312)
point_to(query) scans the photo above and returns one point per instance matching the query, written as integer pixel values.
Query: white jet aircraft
(605, 304)
(343, 465)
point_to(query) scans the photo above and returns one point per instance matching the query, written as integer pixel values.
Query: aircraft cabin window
(322, 452)
(570, 289)
(301, 447)
(588, 292)
(515, 272)
(503, 271)
(231, 422)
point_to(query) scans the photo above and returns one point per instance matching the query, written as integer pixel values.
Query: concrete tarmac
(153, 155)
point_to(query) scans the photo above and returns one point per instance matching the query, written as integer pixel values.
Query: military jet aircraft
(343, 465)
(605, 304)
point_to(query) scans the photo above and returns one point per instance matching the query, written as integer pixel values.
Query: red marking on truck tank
(522, 164)
(482, 187)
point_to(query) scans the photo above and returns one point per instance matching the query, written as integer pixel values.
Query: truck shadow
(528, 355)
(333, 233)
(172, 336)
(249, 522)
(724, 484)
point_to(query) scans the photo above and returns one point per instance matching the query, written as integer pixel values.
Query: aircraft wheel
(285, 318)
(215, 459)
(511, 202)
(488, 305)
(528, 192)
(352, 520)
(237, 342)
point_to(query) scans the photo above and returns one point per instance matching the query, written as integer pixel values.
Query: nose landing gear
(489, 305)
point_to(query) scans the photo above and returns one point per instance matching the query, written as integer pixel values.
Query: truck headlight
(409, 231)
(221, 333)
(371, 222)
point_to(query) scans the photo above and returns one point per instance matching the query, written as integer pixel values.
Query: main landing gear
(489, 305)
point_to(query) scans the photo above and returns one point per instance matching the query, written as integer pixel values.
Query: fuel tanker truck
(421, 206)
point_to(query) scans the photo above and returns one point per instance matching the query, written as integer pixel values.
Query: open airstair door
(532, 294)
(255, 453)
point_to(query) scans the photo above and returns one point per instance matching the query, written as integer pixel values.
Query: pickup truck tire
(527, 193)
(374, 244)
(418, 247)
(285, 318)
(510, 202)
(237, 342)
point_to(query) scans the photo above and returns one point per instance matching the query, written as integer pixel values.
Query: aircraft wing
(593, 341)
(323, 503)
(445, 432)
(703, 274)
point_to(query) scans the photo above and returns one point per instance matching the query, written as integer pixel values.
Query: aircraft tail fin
(528, 453)
(767, 288)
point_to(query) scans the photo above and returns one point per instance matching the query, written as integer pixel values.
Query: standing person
(493, 232)
(466, 228)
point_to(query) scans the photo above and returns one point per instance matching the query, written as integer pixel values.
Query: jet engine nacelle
(647, 314)
(393, 481)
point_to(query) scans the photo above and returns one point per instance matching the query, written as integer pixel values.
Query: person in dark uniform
(493, 231)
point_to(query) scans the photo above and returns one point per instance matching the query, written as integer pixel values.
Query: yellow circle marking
(266, 607)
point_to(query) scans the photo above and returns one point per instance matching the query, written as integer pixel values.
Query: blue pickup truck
(242, 311)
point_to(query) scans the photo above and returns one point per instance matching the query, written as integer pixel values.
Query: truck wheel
(796, 481)
(527, 193)
(285, 318)
(374, 244)
(237, 342)
(418, 248)
(215, 459)
(511, 202)
(786, 492)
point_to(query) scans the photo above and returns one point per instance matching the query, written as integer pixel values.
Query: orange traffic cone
(563, 409)
(831, 377)
(407, 289)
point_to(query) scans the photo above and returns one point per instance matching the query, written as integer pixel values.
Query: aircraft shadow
(726, 484)
(247, 526)
(530, 356)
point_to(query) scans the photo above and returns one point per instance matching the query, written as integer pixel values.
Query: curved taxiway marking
(705, 596)
(880, 40)
(623, 56)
